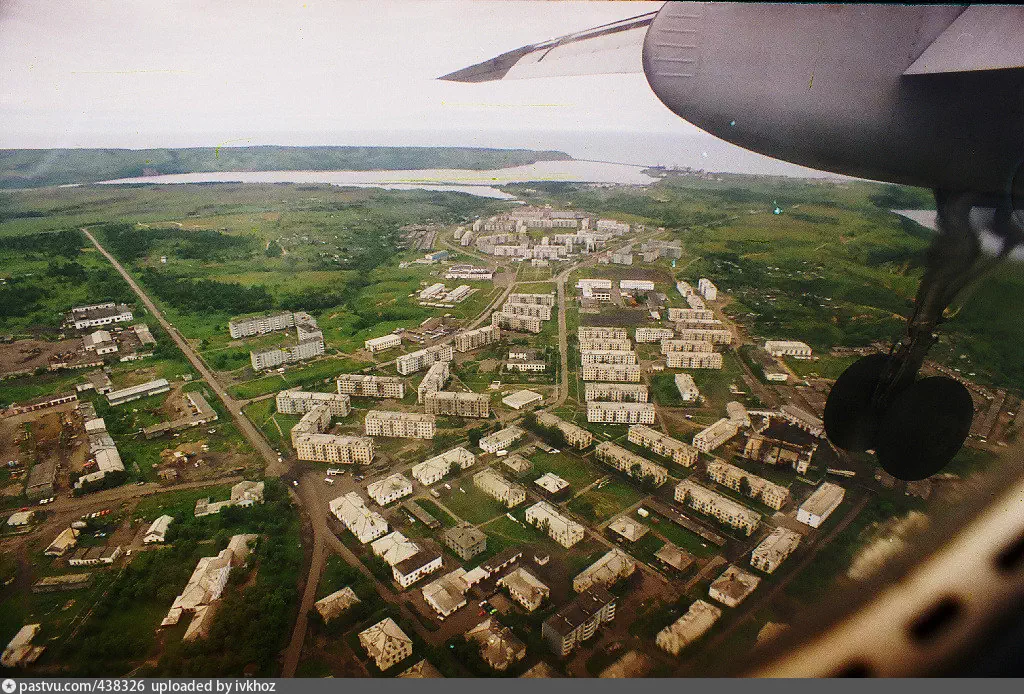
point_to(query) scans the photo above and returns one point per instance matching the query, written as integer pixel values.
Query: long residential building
(434, 469)
(688, 391)
(437, 375)
(630, 463)
(601, 333)
(654, 334)
(542, 299)
(662, 444)
(575, 436)
(298, 401)
(668, 346)
(248, 326)
(371, 386)
(473, 339)
(707, 289)
(712, 335)
(275, 356)
(696, 622)
(562, 530)
(578, 621)
(700, 324)
(501, 440)
(693, 360)
(458, 404)
(541, 311)
(731, 476)
(423, 358)
(774, 549)
(311, 444)
(628, 373)
(95, 315)
(604, 344)
(620, 412)
(519, 324)
(715, 435)
(365, 524)
(615, 392)
(679, 314)
(724, 509)
(695, 301)
(382, 343)
(497, 487)
(606, 571)
(403, 425)
(608, 356)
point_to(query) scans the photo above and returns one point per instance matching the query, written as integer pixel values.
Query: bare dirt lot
(25, 356)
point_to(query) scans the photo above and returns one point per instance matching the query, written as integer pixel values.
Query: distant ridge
(29, 168)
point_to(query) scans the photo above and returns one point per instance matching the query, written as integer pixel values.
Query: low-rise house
(774, 549)
(19, 651)
(408, 571)
(678, 559)
(365, 524)
(336, 603)
(517, 464)
(525, 588)
(733, 586)
(448, 593)
(389, 489)
(394, 547)
(497, 487)
(694, 623)
(158, 530)
(551, 483)
(243, 494)
(64, 541)
(562, 530)
(579, 620)
(421, 670)
(386, 643)
(465, 540)
(522, 398)
(382, 343)
(499, 647)
(434, 469)
(820, 505)
(606, 571)
(628, 529)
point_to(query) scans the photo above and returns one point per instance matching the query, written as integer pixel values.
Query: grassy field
(473, 505)
(577, 471)
(601, 504)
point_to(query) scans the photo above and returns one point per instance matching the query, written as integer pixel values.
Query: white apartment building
(403, 425)
(641, 285)
(329, 448)
(300, 402)
(770, 494)
(365, 524)
(473, 339)
(688, 390)
(591, 345)
(437, 375)
(662, 444)
(525, 588)
(423, 358)
(695, 301)
(820, 505)
(774, 549)
(612, 226)
(679, 314)
(458, 404)
(606, 571)
(591, 283)
(394, 547)
(700, 324)
(526, 366)
(260, 325)
(95, 315)
(575, 436)
(501, 440)
(497, 487)
(386, 643)
(562, 530)
(628, 373)
(684, 288)
(620, 412)
(703, 500)
(602, 333)
(653, 334)
(707, 289)
(382, 343)
(693, 360)
(275, 356)
(371, 386)
(615, 392)
(519, 324)
(712, 335)
(468, 272)
(389, 489)
(434, 469)
(668, 346)
(608, 356)
(696, 622)
(630, 463)
(543, 299)
(715, 435)
(541, 311)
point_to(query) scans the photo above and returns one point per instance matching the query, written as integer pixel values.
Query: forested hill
(24, 168)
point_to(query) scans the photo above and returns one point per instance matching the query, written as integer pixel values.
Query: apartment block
(359, 520)
(562, 530)
(668, 346)
(405, 425)
(688, 391)
(501, 440)
(679, 314)
(525, 588)
(540, 311)
(628, 373)
(422, 359)
(694, 301)
(696, 622)
(605, 572)
(693, 360)
(575, 436)
(578, 621)
(768, 493)
(458, 404)
(382, 343)
(276, 356)
(715, 435)
(630, 463)
(300, 402)
(465, 540)
(519, 324)
(473, 339)
(328, 448)
(707, 289)
(390, 489)
(733, 586)
(260, 325)
(434, 469)
(774, 549)
(371, 386)
(602, 344)
(602, 333)
(497, 487)
(468, 272)
(386, 643)
(724, 509)
(526, 365)
(542, 299)
(714, 336)
(703, 324)
(620, 412)
(615, 392)
(684, 288)
(437, 375)
(608, 356)
(662, 444)
(788, 348)
(653, 334)
(633, 285)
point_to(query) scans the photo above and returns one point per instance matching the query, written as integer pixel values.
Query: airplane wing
(984, 37)
(607, 49)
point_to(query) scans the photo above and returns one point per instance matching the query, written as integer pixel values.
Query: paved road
(274, 468)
